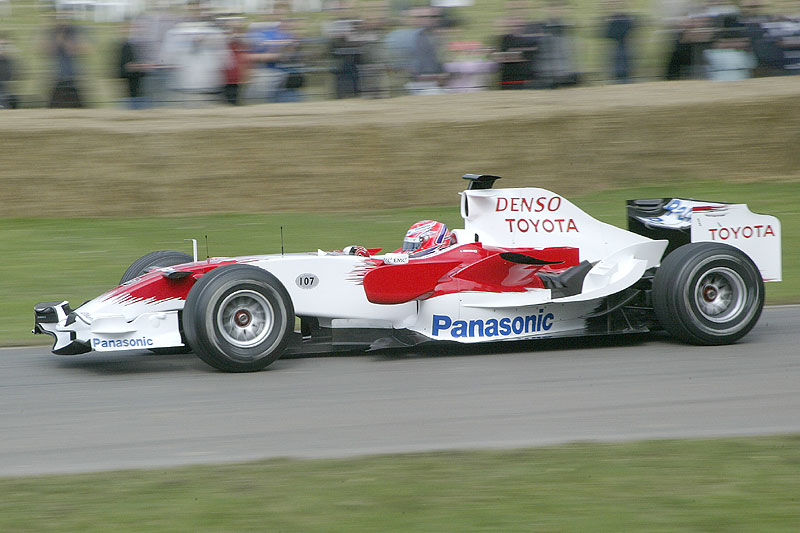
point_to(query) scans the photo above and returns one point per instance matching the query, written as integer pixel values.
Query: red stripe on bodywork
(471, 267)
(394, 284)
(153, 287)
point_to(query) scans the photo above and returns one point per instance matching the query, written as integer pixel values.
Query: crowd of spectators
(724, 42)
(193, 55)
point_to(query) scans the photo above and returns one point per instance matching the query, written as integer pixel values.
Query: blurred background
(187, 53)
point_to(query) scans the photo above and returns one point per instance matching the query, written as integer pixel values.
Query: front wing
(73, 334)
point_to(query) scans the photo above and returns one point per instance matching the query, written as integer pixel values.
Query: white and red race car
(528, 264)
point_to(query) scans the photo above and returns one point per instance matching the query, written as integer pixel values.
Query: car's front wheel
(238, 318)
(708, 293)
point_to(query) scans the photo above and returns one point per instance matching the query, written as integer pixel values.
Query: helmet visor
(412, 244)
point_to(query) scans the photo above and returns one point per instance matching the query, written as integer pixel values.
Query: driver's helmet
(427, 236)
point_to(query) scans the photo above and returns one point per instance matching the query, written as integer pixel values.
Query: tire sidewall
(203, 306)
(675, 287)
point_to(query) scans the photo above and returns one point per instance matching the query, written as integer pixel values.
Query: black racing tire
(161, 258)
(238, 318)
(708, 293)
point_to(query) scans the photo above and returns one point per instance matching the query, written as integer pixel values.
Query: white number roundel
(307, 281)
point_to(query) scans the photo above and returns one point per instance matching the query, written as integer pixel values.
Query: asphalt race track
(130, 410)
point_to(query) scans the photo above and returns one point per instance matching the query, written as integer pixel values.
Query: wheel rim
(245, 318)
(720, 294)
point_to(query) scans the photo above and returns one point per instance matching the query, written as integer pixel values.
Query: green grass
(739, 484)
(79, 258)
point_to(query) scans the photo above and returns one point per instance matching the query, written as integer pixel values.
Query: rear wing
(681, 221)
(532, 217)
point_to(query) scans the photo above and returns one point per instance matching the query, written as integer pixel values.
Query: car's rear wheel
(238, 318)
(708, 293)
(161, 258)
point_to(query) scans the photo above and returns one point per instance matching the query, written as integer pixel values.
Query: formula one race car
(527, 265)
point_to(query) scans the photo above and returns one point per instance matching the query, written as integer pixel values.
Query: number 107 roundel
(527, 265)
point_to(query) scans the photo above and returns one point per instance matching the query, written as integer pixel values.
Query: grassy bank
(343, 155)
(79, 258)
(742, 484)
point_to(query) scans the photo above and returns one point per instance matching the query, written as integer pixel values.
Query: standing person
(555, 62)
(270, 43)
(396, 47)
(766, 49)
(373, 70)
(618, 28)
(347, 51)
(427, 72)
(236, 73)
(65, 46)
(197, 54)
(7, 98)
(133, 70)
(152, 28)
(291, 62)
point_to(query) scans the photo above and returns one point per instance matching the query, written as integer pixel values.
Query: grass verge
(733, 484)
(379, 154)
(79, 258)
